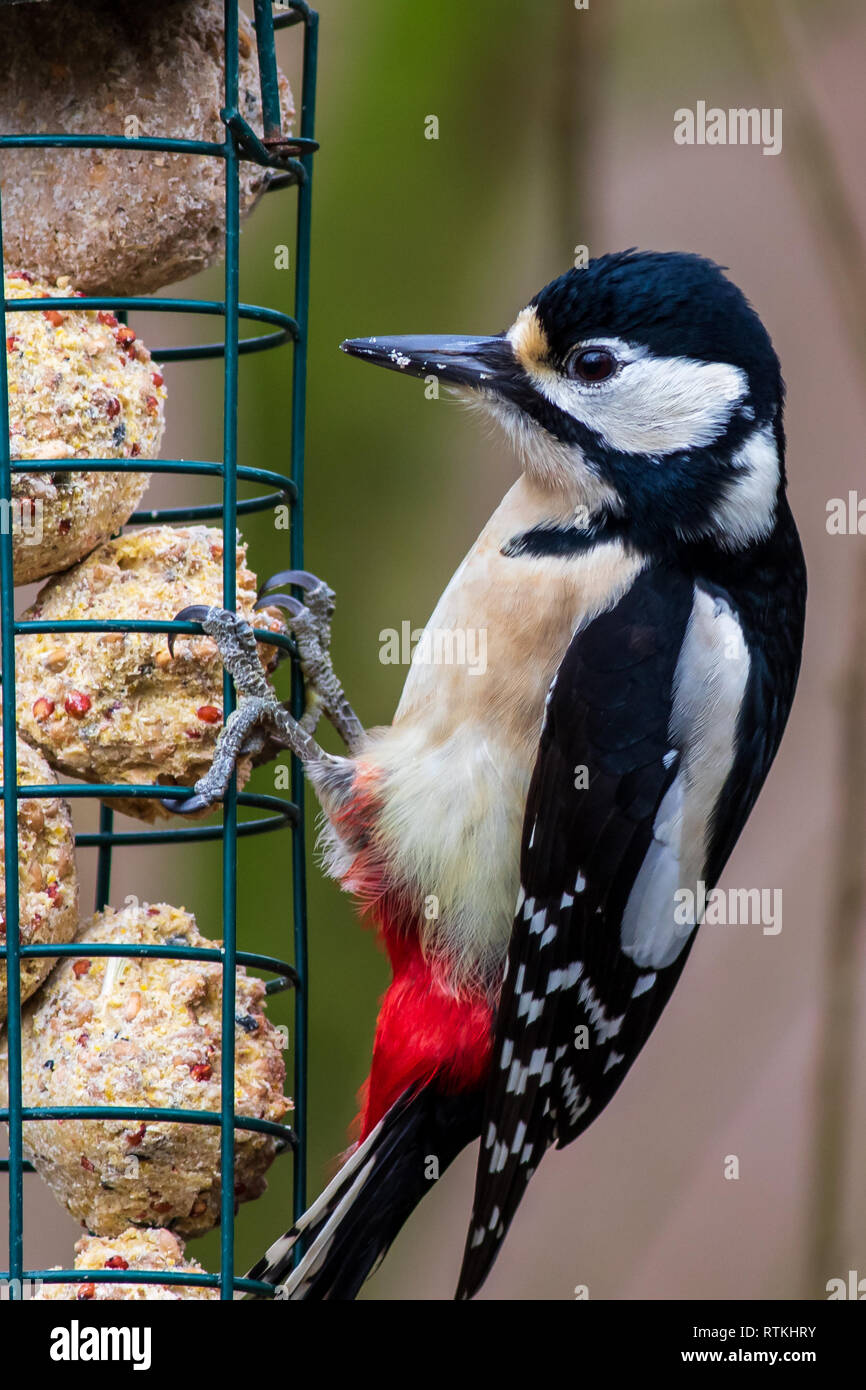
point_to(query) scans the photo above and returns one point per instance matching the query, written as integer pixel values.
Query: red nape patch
(425, 1031)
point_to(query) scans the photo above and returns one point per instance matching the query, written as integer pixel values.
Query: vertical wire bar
(10, 822)
(230, 810)
(271, 114)
(103, 860)
(298, 442)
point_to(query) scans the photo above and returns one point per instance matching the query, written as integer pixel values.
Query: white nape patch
(653, 405)
(748, 510)
(709, 686)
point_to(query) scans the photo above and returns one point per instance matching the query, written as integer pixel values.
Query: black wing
(576, 1008)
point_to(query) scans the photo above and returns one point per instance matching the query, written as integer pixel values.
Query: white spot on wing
(575, 1101)
(603, 1026)
(498, 1158)
(644, 983)
(564, 979)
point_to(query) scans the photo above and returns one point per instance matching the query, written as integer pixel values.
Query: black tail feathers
(348, 1230)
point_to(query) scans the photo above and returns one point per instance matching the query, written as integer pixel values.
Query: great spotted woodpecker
(642, 590)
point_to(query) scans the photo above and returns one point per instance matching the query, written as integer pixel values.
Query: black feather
(391, 1173)
(609, 710)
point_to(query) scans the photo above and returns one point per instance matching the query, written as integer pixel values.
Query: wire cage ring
(291, 159)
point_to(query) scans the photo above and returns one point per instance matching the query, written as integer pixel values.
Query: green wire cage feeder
(291, 158)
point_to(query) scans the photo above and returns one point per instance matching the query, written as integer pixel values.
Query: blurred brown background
(556, 130)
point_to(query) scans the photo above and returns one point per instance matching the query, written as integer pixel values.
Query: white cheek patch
(654, 405)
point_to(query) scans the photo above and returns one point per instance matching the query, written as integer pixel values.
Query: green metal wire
(292, 157)
(302, 13)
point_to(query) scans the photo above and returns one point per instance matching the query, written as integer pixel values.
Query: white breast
(455, 765)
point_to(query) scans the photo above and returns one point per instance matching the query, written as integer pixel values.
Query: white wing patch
(710, 683)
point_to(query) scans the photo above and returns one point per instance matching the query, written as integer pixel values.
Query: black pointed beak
(480, 363)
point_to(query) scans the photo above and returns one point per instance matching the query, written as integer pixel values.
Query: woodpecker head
(645, 385)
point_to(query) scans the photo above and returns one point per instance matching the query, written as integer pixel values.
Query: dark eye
(592, 365)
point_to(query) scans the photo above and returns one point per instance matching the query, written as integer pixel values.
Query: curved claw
(291, 605)
(185, 806)
(302, 579)
(194, 613)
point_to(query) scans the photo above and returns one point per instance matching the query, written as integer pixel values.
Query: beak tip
(358, 347)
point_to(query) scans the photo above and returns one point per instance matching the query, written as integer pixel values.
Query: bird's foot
(260, 719)
(310, 624)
